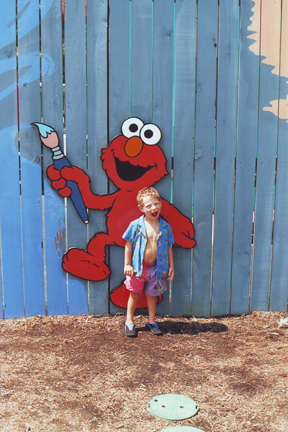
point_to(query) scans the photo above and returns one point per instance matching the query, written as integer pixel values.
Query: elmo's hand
(183, 232)
(182, 227)
(58, 182)
(60, 178)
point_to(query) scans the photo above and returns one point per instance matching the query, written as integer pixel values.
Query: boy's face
(151, 207)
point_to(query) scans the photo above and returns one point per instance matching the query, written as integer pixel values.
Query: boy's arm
(171, 264)
(128, 269)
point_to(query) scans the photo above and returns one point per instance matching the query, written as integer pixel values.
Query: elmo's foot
(83, 265)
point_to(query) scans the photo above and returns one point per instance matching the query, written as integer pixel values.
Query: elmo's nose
(133, 146)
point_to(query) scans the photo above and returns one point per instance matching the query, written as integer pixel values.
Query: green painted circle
(182, 429)
(172, 407)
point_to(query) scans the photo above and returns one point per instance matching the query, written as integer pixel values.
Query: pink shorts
(148, 282)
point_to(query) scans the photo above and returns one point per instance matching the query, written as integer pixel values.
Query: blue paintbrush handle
(75, 196)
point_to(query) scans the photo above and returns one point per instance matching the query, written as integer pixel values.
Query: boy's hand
(128, 270)
(171, 273)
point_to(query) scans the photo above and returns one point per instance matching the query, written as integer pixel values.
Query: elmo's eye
(150, 134)
(131, 127)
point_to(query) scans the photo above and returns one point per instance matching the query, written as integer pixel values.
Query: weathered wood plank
(30, 157)
(279, 282)
(227, 97)
(75, 116)
(10, 216)
(1, 284)
(9, 193)
(2, 315)
(185, 57)
(10, 222)
(266, 156)
(162, 96)
(204, 155)
(141, 59)
(119, 103)
(245, 167)
(97, 130)
(118, 65)
(52, 107)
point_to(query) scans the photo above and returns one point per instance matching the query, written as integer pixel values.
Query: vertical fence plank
(118, 65)
(119, 102)
(1, 281)
(2, 315)
(204, 155)
(279, 283)
(245, 167)
(75, 112)
(162, 95)
(10, 222)
(141, 60)
(30, 157)
(97, 130)
(140, 103)
(185, 55)
(52, 108)
(141, 45)
(266, 155)
(10, 217)
(228, 44)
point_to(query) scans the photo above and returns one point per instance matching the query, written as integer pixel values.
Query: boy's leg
(151, 324)
(135, 285)
(131, 306)
(151, 302)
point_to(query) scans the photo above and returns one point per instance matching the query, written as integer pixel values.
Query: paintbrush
(50, 139)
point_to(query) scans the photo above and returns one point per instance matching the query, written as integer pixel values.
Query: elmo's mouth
(129, 172)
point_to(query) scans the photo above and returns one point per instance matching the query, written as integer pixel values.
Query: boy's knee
(151, 298)
(135, 296)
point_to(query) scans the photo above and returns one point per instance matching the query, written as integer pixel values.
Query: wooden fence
(213, 76)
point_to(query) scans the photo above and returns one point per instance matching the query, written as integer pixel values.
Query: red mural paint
(132, 161)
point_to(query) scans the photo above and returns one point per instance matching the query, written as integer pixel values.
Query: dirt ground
(70, 373)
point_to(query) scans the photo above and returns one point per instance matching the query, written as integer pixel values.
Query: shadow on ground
(189, 328)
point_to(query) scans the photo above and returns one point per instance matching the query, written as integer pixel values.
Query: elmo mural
(133, 160)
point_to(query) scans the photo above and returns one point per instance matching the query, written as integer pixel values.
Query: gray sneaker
(132, 332)
(154, 329)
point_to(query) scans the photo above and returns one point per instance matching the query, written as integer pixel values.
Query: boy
(148, 258)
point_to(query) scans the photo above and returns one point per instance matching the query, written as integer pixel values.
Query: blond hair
(148, 191)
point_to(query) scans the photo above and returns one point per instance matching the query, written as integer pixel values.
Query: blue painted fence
(185, 65)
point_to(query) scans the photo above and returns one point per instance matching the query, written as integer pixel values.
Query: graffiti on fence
(28, 64)
(270, 36)
(132, 160)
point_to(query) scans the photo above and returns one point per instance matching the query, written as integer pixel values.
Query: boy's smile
(151, 207)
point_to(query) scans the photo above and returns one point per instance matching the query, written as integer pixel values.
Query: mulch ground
(81, 373)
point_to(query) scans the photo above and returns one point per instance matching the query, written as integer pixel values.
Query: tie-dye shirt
(136, 234)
